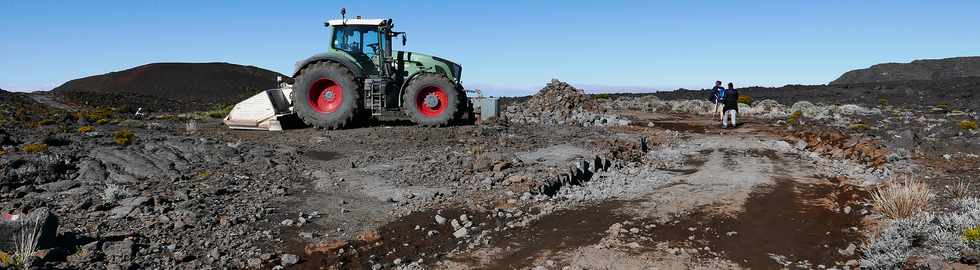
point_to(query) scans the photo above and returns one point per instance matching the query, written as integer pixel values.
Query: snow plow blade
(261, 111)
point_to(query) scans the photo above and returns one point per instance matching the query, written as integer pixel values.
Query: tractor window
(357, 40)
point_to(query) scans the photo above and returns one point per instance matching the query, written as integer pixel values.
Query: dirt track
(701, 197)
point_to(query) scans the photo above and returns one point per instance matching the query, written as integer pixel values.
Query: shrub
(124, 137)
(941, 235)
(95, 115)
(6, 261)
(745, 99)
(85, 129)
(102, 122)
(968, 124)
(858, 127)
(793, 118)
(220, 111)
(33, 148)
(972, 234)
(44, 122)
(901, 200)
(168, 117)
(600, 96)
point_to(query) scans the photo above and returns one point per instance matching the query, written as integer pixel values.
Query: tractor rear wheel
(326, 95)
(431, 100)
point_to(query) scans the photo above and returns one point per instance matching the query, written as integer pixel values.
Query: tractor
(360, 76)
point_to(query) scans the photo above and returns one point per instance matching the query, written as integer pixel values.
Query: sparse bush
(34, 148)
(168, 117)
(220, 111)
(124, 137)
(901, 200)
(113, 193)
(94, 115)
(972, 234)
(857, 127)
(600, 96)
(745, 99)
(41, 123)
(102, 122)
(793, 118)
(191, 126)
(476, 150)
(940, 235)
(968, 124)
(6, 261)
(85, 129)
(958, 190)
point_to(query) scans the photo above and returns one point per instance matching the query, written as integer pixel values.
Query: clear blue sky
(506, 47)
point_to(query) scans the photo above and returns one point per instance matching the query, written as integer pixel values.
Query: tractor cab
(367, 42)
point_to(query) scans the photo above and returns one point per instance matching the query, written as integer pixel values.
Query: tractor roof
(374, 22)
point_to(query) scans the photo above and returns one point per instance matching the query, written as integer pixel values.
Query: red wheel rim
(431, 101)
(326, 96)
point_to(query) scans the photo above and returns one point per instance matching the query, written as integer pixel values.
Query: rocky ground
(561, 181)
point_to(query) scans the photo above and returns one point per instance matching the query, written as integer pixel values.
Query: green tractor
(360, 75)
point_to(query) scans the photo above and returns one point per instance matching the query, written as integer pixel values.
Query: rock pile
(558, 104)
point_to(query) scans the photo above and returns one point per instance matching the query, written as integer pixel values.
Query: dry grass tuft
(901, 200)
(27, 242)
(34, 148)
(958, 190)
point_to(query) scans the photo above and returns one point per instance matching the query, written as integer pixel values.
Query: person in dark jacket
(730, 106)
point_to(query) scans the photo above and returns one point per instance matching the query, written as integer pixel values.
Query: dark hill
(930, 69)
(169, 86)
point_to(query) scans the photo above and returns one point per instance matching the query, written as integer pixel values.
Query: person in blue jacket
(717, 94)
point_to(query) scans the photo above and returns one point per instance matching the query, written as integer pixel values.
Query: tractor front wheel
(431, 100)
(326, 95)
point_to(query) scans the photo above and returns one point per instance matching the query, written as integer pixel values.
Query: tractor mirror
(403, 39)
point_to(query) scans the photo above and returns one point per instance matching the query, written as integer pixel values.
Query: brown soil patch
(397, 239)
(560, 231)
(798, 220)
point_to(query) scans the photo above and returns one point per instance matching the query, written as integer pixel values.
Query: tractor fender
(401, 90)
(328, 57)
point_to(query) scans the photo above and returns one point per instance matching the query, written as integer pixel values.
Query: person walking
(717, 94)
(729, 106)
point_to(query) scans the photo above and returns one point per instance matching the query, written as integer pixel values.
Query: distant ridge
(928, 69)
(169, 86)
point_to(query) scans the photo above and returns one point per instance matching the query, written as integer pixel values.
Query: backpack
(721, 94)
(729, 95)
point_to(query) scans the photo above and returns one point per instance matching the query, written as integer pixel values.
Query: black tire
(448, 108)
(318, 112)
